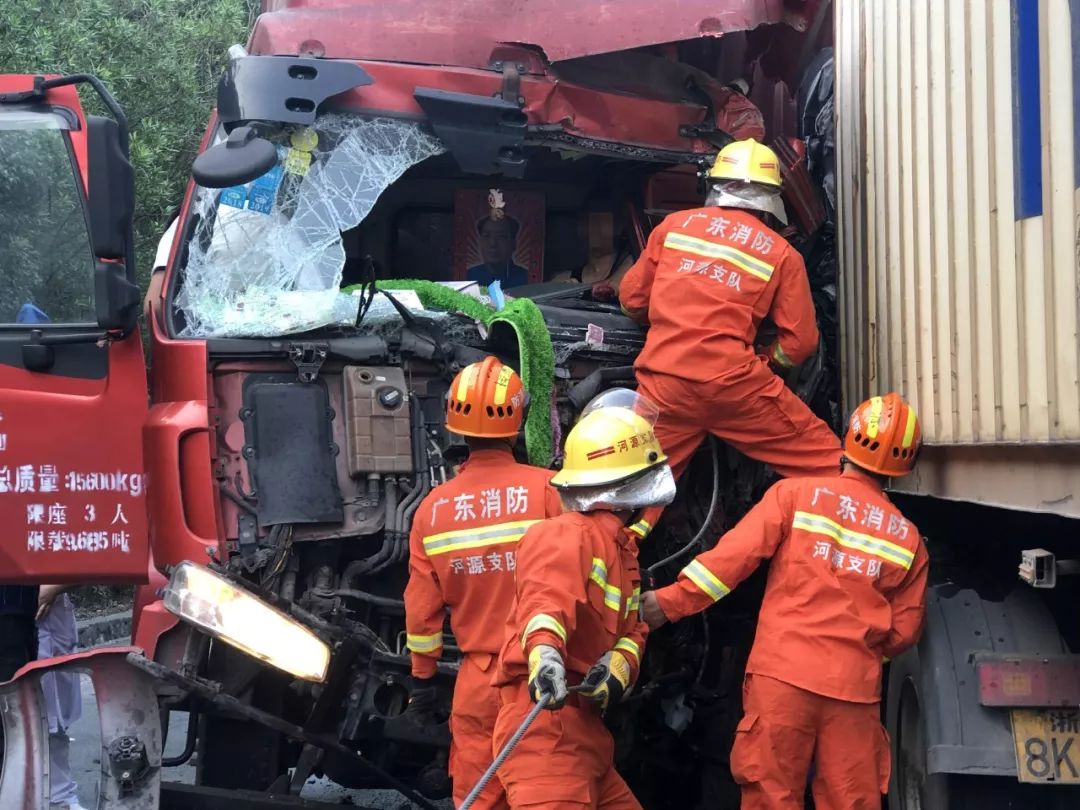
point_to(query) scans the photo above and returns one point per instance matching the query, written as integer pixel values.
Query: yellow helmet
(747, 161)
(608, 445)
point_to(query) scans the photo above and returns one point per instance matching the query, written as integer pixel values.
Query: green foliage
(44, 247)
(160, 58)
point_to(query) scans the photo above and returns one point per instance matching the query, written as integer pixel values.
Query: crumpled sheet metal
(464, 32)
(655, 488)
(127, 711)
(274, 266)
(816, 124)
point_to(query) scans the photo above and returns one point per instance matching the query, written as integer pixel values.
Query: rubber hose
(422, 489)
(386, 549)
(708, 517)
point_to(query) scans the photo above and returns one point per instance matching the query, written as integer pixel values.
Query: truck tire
(910, 786)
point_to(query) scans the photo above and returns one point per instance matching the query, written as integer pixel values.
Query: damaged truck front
(302, 355)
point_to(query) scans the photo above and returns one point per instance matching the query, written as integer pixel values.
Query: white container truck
(957, 173)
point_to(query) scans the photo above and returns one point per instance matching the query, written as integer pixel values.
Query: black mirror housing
(243, 157)
(111, 188)
(111, 197)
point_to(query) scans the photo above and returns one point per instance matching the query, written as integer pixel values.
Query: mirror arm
(85, 78)
(69, 338)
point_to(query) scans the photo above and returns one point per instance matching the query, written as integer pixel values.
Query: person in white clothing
(58, 635)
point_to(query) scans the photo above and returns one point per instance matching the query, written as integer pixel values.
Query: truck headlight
(228, 612)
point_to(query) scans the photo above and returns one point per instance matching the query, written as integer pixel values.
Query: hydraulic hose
(367, 565)
(708, 517)
(408, 489)
(478, 788)
(421, 491)
(189, 744)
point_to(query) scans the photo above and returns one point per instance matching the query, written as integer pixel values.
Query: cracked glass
(267, 258)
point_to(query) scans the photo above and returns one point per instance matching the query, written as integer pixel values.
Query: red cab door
(73, 393)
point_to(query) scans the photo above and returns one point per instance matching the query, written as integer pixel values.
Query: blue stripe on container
(1027, 112)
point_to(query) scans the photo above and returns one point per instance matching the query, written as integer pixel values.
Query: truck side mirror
(111, 197)
(243, 157)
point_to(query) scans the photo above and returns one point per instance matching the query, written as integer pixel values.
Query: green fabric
(537, 355)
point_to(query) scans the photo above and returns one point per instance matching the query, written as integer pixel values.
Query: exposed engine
(324, 452)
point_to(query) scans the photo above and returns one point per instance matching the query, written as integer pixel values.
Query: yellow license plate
(1047, 745)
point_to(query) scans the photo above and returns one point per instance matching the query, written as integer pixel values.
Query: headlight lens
(228, 612)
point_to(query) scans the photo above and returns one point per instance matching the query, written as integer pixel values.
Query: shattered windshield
(267, 258)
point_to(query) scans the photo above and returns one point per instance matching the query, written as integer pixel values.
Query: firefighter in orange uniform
(846, 588)
(574, 633)
(704, 283)
(463, 548)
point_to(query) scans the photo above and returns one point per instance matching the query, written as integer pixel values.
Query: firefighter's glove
(423, 698)
(547, 675)
(608, 680)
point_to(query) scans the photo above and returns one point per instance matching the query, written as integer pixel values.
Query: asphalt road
(86, 764)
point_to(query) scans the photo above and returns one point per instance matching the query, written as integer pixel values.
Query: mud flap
(130, 732)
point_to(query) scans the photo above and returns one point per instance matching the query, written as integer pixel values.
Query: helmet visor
(655, 487)
(625, 398)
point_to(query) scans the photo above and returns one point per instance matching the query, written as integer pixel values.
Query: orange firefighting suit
(845, 588)
(463, 548)
(706, 280)
(578, 590)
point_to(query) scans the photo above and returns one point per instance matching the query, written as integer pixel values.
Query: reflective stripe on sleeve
(641, 528)
(633, 602)
(706, 580)
(628, 645)
(781, 357)
(423, 644)
(598, 574)
(866, 543)
(542, 621)
(462, 539)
